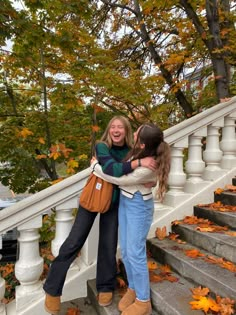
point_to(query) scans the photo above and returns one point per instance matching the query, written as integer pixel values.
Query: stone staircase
(172, 298)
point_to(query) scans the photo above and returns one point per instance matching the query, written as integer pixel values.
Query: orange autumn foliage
(218, 206)
(193, 253)
(205, 304)
(161, 233)
(164, 274)
(219, 306)
(152, 265)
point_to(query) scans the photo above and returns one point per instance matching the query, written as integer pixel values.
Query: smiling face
(117, 132)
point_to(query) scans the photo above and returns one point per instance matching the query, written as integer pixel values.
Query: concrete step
(83, 305)
(226, 197)
(172, 298)
(219, 244)
(221, 218)
(220, 281)
(108, 310)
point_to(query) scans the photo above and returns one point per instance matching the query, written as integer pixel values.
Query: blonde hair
(106, 138)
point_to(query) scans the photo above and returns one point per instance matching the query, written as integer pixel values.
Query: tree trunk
(218, 56)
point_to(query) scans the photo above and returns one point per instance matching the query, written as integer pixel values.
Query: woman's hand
(149, 162)
(92, 160)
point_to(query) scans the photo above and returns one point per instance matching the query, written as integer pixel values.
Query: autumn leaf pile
(160, 273)
(202, 297)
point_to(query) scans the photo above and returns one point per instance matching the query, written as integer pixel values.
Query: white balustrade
(214, 166)
(228, 143)
(64, 220)
(212, 154)
(29, 267)
(177, 177)
(195, 166)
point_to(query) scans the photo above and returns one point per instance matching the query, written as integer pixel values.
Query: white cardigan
(130, 183)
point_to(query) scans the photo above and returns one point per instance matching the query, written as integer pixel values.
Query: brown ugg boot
(52, 304)
(105, 298)
(127, 300)
(138, 308)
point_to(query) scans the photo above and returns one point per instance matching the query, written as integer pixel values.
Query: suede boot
(127, 300)
(138, 308)
(105, 298)
(52, 304)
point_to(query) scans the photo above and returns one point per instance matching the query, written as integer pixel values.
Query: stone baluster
(177, 177)
(195, 166)
(64, 220)
(29, 266)
(212, 154)
(228, 143)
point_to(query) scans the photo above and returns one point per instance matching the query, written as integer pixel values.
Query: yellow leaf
(41, 140)
(55, 155)
(205, 304)
(152, 265)
(72, 163)
(25, 132)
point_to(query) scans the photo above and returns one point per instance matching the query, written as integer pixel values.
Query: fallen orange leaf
(193, 253)
(226, 305)
(155, 277)
(200, 291)
(73, 311)
(170, 278)
(161, 233)
(165, 268)
(173, 236)
(205, 304)
(152, 265)
(219, 191)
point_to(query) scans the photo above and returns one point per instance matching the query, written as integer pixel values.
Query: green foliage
(75, 64)
(47, 231)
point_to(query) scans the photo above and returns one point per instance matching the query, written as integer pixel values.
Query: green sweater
(111, 163)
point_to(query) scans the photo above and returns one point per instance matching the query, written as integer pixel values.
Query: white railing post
(177, 177)
(228, 143)
(195, 166)
(213, 155)
(64, 221)
(29, 267)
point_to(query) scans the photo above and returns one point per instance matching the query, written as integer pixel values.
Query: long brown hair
(153, 138)
(128, 132)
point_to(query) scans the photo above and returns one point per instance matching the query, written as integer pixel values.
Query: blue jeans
(135, 218)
